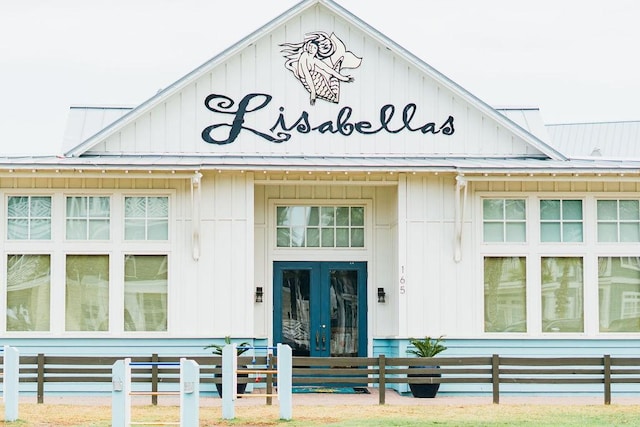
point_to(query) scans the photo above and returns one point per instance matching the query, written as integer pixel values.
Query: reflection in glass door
(320, 307)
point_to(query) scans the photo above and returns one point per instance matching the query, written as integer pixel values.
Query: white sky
(578, 60)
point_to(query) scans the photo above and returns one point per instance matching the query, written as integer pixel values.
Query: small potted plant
(217, 350)
(427, 347)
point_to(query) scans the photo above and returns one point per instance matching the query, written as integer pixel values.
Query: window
(562, 294)
(618, 221)
(561, 220)
(504, 220)
(505, 294)
(108, 283)
(87, 293)
(88, 218)
(146, 218)
(28, 292)
(320, 226)
(619, 293)
(145, 293)
(29, 218)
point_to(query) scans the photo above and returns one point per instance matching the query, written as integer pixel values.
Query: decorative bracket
(196, 197)
(460, 202)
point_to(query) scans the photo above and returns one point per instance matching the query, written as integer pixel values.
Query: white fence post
(229, 380)
(121, 393)
(285, 381)
(189, 393)
(10, 380)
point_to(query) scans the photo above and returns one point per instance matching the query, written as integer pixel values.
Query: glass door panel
(343, 293)
(295, 313)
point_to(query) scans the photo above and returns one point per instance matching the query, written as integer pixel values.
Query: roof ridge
(102, 107)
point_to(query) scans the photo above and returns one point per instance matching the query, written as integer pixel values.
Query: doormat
(338, 390)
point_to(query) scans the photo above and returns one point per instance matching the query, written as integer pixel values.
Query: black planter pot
(240, 389)
(424, 390)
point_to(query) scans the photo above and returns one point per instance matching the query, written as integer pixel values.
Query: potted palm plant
(427, 347)
(217, 350)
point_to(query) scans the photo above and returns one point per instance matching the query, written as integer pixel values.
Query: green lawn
(348, 415)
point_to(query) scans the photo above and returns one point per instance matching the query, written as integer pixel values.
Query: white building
(317, 184)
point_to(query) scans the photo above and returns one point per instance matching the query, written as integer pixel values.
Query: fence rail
(378, 371)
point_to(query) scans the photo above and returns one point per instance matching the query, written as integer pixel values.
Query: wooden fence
(380, 371)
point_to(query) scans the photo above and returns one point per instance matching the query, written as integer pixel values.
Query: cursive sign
(282, 129)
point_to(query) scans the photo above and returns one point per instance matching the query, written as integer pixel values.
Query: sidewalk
(337, 399)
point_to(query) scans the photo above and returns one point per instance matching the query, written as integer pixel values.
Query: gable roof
(130, 116)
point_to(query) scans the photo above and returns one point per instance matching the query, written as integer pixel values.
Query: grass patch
(32, 414)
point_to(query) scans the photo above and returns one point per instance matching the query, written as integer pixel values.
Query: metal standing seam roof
(85, 121)
(607, 140)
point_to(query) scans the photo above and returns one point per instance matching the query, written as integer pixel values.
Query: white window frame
(617, 221)
(534, 250)
(319, 227)
(561, 221)
(88, 218)
(28, 218)
(504, 221)
(116, 247)
(146, 218)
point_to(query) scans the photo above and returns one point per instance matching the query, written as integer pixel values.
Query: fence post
(154, 378)
(382, 379)
(495, 377)
(40, 378)
(10, 382)
(269, 381)
(121, 393)
(229, 380)
(607, 379)
(189, 393)
(285, 381)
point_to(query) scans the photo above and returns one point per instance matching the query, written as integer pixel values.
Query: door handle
(317, 340)
(324, 341)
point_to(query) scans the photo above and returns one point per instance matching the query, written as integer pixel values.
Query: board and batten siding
(173, 123)
(440, 295)
(222, 279)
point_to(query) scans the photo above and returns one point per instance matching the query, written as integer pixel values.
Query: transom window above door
(320, 226)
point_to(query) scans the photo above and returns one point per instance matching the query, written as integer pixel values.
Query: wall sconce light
(381, 295)
(259, 294)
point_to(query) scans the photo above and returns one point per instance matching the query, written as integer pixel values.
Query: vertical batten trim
(403, 287)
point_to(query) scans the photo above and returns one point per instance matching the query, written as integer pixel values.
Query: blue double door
(320, 308)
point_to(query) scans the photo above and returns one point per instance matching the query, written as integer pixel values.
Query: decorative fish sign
(317, 62)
